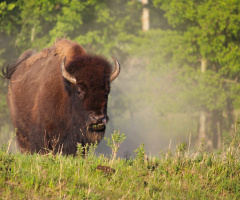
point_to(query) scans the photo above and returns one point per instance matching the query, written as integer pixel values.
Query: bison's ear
(116, 71)
(66, 75)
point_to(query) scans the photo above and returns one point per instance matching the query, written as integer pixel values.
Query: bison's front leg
(39, 141)
(23, 142)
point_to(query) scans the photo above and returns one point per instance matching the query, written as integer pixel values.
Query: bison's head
(87, 80)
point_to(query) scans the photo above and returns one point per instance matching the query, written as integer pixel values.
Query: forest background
(179, 78)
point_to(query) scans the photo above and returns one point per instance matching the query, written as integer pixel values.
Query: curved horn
(66, 75)
(116, 71)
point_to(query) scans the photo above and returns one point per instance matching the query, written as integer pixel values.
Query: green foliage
(6, 19)
(141, 154)
(114, 142)
(182, 148)
(87, 150)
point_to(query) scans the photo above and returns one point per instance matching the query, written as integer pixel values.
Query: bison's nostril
(104, 120)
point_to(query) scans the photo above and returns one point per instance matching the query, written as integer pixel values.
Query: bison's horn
(116, 71)
(66, 75)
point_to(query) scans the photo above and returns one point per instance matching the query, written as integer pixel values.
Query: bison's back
(29, 81)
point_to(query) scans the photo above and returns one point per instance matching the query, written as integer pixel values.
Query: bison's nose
(97, 119)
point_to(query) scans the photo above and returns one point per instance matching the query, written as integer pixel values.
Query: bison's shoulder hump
(69, 49)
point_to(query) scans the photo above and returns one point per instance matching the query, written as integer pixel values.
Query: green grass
(183, 175)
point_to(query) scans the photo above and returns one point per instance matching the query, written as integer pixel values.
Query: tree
(200, 50)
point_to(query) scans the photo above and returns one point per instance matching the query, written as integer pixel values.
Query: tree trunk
(32, 34)
(203, 65)
(202, 125)
(145, 16)
(219, 135)
(217, 128)
(202, 131)
(230, 121)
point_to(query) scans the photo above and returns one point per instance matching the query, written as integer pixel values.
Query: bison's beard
(95, 132)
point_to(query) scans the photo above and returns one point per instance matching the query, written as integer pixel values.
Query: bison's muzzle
(97, 122)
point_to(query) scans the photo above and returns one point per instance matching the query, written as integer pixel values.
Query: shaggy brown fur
(47, 110)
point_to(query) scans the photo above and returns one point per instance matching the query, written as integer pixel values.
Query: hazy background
(179, 79)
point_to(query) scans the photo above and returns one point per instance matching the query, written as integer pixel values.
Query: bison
(58, 97)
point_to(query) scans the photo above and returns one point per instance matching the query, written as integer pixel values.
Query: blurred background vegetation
(180, 75)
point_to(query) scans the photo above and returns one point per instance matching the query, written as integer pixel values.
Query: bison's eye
(80, 93)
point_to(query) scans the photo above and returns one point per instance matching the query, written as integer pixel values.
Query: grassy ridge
(199, 175)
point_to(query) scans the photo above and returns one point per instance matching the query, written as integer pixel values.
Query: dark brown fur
(47, 110)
